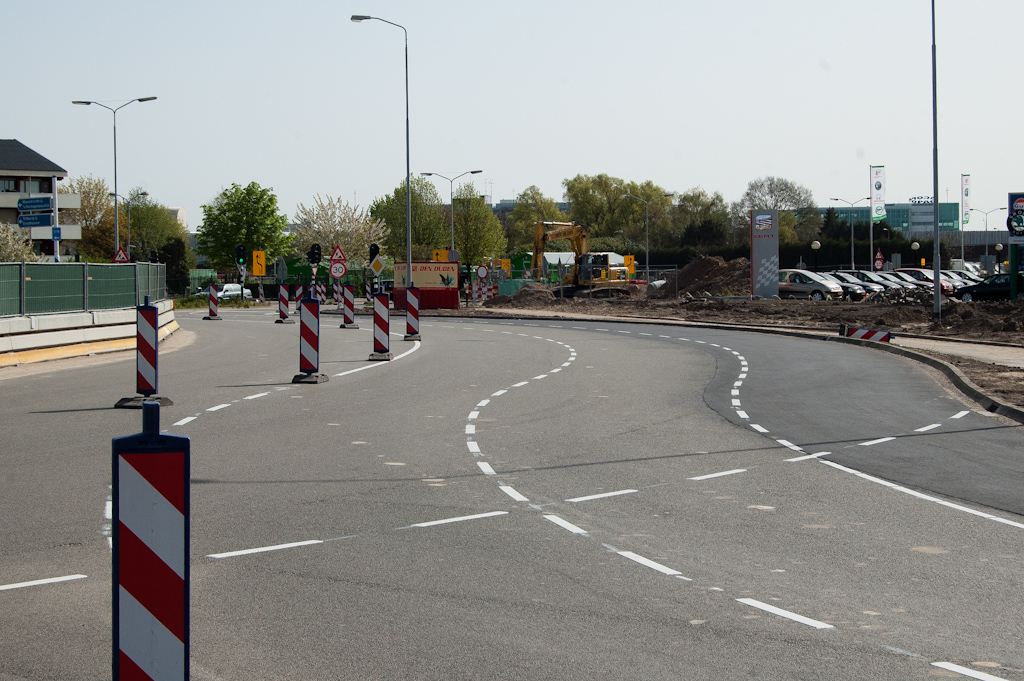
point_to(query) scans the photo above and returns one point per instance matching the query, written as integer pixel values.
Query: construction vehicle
(590, 274)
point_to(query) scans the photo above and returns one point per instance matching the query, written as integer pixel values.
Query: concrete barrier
(38, 338)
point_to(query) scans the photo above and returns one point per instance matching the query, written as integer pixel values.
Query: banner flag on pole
(965, 197)
(877, 193)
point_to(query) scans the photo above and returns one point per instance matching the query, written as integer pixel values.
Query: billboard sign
(429, 274)
(764, 253)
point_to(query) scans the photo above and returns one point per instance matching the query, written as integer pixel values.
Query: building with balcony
(26, 174)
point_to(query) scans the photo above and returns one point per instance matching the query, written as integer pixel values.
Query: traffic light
(154, 256)
(374, 250)
(240, 255)
(314, 254)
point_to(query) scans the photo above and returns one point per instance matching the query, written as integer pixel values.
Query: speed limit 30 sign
(338, 269)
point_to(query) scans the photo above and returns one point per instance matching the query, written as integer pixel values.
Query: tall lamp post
(985, 213)
(127, 202)
(851, 204)
(356, 18)
(451, 181)
(117, 232)
(647, 232)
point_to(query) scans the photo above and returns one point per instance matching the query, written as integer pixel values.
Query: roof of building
(17, 159)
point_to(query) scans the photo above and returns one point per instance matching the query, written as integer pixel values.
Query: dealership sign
(764, 253)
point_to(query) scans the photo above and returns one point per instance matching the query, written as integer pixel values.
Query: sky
(298, 98)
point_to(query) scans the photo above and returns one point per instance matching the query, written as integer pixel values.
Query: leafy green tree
(834, 228)
(242, 215)
(531, 207)
(152, 226)
(96, 216)
(334, 222)
(430, 230)
(597, 202)
(700, 219)
(13, 246)
(478, 233)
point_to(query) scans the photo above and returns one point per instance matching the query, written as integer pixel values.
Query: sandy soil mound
(711, 276)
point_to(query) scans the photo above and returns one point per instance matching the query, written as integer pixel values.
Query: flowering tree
(332, 222)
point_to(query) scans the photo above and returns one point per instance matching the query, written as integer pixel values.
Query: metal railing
(41, 288)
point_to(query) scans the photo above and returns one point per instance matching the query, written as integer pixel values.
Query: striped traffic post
(150, 568)
(282, 305)
(866, 334)
(348, 319)
(412, 313)
(381, 327)
(309, 343)
(298, 297)
(260, 291)
(147, 340)
(213, 304)
(321, 293)
(338, 294)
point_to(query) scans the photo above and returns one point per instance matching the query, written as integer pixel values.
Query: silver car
(807, 284)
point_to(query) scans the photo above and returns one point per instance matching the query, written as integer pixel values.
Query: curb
(77, 350)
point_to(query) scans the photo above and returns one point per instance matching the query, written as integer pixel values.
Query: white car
(807, 284)
(226, 291)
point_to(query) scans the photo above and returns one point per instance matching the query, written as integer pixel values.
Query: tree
(430, 230)
(531, 207)
(833, 228)
(335, 222)
(13, 246)
(96, 216)
(775, 193)
(700, 219)
(151, 226)
(246, 215)
(597, 203)
(478, 233)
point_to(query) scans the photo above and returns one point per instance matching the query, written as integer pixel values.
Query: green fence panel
(111, 286)
(53, 287)
(10, 289)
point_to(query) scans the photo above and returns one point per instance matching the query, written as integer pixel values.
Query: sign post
(879, 260)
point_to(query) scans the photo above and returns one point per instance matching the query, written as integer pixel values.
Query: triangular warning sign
(338, 254)
(120, 256)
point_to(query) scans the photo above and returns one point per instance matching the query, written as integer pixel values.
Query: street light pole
(356, 18)
(451, 181)
(985, 213)
(128, 202)
(117, 231)
(851, 204)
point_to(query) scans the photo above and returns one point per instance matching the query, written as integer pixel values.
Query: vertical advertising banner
(877, 193)
(965, 198)
(764, 253)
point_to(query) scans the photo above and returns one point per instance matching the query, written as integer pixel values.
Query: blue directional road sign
(36, 203)
(35, 220)
(56, 233)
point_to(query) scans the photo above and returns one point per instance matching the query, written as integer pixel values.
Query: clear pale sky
(296, 97)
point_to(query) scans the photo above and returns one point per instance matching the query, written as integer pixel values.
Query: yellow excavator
(590, 274)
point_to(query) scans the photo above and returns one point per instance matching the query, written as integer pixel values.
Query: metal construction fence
(40, 288)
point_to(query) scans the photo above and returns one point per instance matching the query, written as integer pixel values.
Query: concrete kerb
(955, 376)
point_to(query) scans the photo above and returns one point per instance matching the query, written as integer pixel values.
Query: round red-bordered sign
(482, 272)
(338, 269)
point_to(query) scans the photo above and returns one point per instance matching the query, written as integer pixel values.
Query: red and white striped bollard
(412, 313)
(213, 303)
(282, 305)
(309, 343)
(349, 308)
(381, 327)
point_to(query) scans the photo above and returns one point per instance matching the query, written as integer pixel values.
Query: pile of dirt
(709, 276)
(531, 296)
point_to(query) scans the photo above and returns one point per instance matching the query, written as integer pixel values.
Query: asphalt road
(530, 499)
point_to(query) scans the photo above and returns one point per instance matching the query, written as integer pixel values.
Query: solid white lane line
(512, 493)
(187, 419)
(927, 428)
(718, 475)
(486, 468)
(647, 562)
(785, 613)
(218, 407)
(414, 348)
(960, 415)
(253, 397)
(263, 549)
(809, 456)
(787, 443)
(965, 671)
(432, 523)
(760, 429)
(473, 447)
(601, 496)
(565, 524)
(924, 497)
(876, 442)
(38, 582)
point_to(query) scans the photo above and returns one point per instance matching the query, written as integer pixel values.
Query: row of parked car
(859, 284)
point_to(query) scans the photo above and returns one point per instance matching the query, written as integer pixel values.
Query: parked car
(996, 287)
(876, 278)
(851, 290)
(227, 291)
(807, 284)
(927, 277)
(961, 277)
(907, 279)
(866, 284)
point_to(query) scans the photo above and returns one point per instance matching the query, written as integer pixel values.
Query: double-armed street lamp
(451, 181)
(356, 18)
(985, 213)
(851, 204)
(114, 110)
